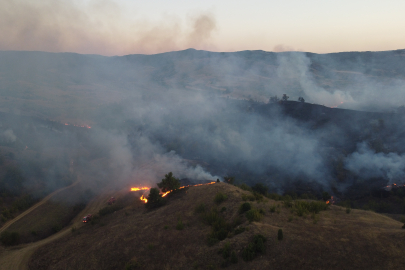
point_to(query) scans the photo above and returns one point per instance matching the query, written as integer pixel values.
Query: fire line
(144, 199)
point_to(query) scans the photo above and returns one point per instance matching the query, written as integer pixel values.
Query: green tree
(154, 198)
(301, 99)
(169, 183)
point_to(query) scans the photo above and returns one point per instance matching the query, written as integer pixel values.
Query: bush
(248, 197)
(280, 235)
(246, 187)
(234, 258)
(254, 215)
(133, 265)
(200, 208)
(325, 196)
(244, 207)
(239, 230)
(211, 217)
(348, 210)
(10, 238)
(248, 253)
(272, 209)
(253, 248)
(303, 207)
(260, 188)
(274, 196)
(226, 250)
(180, 225)
(220, 197)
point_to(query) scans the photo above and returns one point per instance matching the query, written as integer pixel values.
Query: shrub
(248, 253)
(280, 235)
(133, 265)
(272, 209)
(226, 250)
(274, 196)
(325, 196)
(234, 258)
(259, 240)
(302, 207)
(248, 197)
(244, 207)
(211, 217)
(258, 196)
(254, 215)
(10, 238)
(200, 208)
(220, 197)
(260, 188)
(223, 209)
(180, 225)
(403, 227)
(246, 187)
(229, 179)
(239, 230)
(348, 210)
(256, 246)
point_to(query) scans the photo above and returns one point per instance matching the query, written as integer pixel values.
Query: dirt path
(35, 206)
(18, 257)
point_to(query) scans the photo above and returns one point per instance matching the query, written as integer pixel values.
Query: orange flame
(144, 199)
(139, 188)
(164, 194)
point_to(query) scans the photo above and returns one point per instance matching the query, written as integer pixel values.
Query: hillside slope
(332, 239)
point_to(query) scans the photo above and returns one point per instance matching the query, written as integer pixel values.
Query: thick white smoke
(367, 163)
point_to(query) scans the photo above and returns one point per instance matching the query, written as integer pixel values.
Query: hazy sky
(117, 27)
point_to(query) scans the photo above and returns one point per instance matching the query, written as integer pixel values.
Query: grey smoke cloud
(363, 92)
(367, 163)
(95, 27)
(9, 136)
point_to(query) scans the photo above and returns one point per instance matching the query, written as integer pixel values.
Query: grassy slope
(50, 217)
(359, 240)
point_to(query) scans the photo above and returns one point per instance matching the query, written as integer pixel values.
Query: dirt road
(35, 206)
(18, 257)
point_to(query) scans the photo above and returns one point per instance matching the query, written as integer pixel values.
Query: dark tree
(325, 196)
(169, 183)
(229, 179)
(274, 99)
(280, 234)
(260, 188)
(154, 198)
(285, 97)
(301, 99)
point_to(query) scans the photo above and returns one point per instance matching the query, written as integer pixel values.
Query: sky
(119, 27)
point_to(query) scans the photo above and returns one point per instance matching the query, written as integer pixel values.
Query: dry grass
(359, 240)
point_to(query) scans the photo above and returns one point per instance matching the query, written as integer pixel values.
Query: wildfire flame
(142, 198)
(139, 188)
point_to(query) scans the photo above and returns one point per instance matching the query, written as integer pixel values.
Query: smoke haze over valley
(205, 115)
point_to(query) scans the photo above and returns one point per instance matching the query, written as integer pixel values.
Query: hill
(176, 236)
